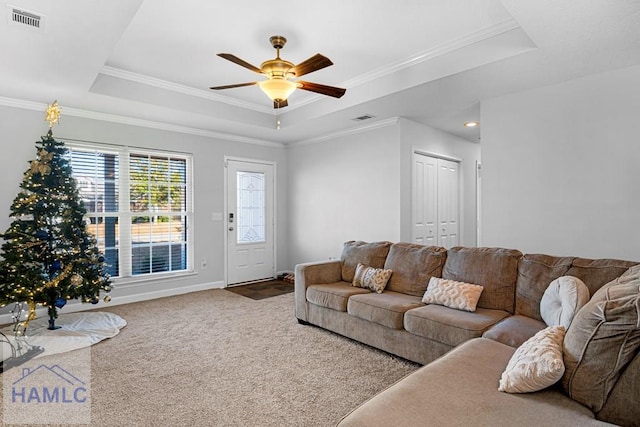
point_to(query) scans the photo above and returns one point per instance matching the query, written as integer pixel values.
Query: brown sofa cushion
(514, 330)
(448, 325)
(595, 273)
(370, 254)
(386, 309)
(413, 265)
(495, 269)
(622, 405)
(461, 389)
(333, 295)
(535, 273)
(602, 339)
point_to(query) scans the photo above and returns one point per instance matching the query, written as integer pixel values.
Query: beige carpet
(215, 358)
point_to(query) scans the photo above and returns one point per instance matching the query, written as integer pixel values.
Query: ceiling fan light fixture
(278, 89)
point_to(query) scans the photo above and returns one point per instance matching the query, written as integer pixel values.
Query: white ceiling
(432, 61)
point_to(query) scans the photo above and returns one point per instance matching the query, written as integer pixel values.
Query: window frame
(124, 214)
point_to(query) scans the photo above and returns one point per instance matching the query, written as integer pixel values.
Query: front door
(249, 221)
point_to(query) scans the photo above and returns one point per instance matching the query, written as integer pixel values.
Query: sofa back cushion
(622, 406)
(413, 266)
(602, 339)
(495, 269)
(370, 254)
(535, 273)
(595, 273)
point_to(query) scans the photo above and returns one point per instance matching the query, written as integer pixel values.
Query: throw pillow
(452, 294)
(371, 278)
(602, 339)
(536, 364)
(562, 300)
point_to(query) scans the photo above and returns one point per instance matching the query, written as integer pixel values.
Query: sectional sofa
(465, 352)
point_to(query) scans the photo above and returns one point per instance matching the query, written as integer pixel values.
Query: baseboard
(76, 306)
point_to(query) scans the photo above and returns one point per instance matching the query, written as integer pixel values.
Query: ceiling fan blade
(232, 86)
(315, 63)
(241, 62)
(336, 92)
(280, 104)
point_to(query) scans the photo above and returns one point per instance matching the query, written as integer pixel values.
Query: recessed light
(471, 124)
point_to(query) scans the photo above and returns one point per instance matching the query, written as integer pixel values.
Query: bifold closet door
(435, 201)
(448, 205)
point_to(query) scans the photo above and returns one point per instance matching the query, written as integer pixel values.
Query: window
(138, 207)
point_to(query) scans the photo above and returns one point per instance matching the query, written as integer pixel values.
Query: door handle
(230, 228)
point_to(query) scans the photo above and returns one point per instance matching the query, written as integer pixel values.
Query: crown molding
(434, 52)
(185, 90)
(23, 104)
(113, 118)
(345, 132)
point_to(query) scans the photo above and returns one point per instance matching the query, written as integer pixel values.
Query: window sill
(146, 278)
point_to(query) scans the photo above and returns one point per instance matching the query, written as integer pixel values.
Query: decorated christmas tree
(48, 255)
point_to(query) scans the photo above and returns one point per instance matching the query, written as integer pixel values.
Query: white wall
(347, 188)
(21, 128)
(415, 136)
(561, 168)
(358, 187)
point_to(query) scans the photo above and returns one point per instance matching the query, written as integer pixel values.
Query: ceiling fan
(278, 87)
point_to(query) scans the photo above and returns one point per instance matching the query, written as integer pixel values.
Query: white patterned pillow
(371, 278)
(536, 364)
(452, 294)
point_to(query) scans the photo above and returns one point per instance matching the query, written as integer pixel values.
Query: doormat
(262, 290)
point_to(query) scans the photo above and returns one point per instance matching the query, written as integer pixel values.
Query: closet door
(435, 201)
(448, 206)
(425, 200)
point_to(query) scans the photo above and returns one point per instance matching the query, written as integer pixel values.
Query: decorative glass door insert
(251, 207)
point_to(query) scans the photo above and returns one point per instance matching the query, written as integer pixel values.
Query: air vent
(363, 117)
(25, 19)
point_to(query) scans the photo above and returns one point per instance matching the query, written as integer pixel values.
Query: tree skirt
(78, 330)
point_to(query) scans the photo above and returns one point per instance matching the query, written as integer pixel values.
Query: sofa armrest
(313, 273)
